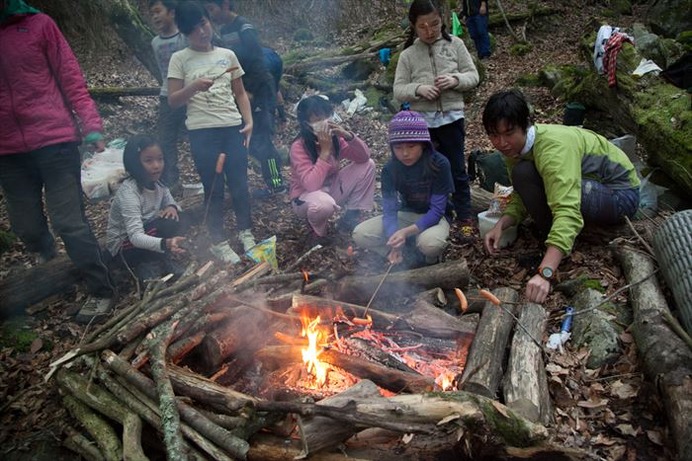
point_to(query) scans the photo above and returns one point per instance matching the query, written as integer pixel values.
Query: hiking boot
(224, 253)
(95, 309)
(247, 239)
(262, 194)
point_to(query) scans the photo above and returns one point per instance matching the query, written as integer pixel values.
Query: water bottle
(567, 322)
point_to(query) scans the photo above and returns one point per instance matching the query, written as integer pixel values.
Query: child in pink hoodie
(319, 186)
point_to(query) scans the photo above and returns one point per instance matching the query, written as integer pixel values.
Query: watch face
(546, 272)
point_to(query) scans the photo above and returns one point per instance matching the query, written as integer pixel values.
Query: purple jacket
(43, 95)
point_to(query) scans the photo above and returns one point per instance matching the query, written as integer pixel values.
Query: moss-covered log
(656, 112)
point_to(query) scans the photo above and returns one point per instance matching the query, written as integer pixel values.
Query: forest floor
(612, 412)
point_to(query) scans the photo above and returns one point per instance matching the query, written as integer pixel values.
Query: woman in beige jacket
(431, 74)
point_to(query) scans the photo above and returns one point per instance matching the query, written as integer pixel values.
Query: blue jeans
(171, 128)
(449, 141)
(478, 30)
(600, 205)
(57, 169)
(206, 145)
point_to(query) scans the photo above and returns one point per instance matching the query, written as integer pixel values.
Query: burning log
(425, 319)
(447, 275)
(385, 377)
(241, 332)
(362, 346)
(320, 432)
(483, 370)
(667, 359)
(525, 385)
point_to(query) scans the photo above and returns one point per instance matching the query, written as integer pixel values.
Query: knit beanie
(408, 126)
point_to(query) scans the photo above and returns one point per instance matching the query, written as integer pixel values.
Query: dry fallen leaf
(655, 437)
(407, 438)
(597, 403)
(627, 429)
(36, 345)
(623, 390)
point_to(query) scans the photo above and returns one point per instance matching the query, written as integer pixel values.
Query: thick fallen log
(667, 359)
(98, 428)
(483, 371)
(447, 275)
(57, 276)
(114, 92)
(525, 385)
(460, 418)
(320, 432)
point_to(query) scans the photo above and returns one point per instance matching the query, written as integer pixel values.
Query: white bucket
(485, 223)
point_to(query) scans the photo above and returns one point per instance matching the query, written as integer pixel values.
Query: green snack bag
(264, 251)
(457, 28)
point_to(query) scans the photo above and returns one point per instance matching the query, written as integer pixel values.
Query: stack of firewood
(126, 382)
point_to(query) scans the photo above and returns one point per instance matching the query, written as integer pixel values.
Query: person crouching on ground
(416, 186)
(144, 221)
(563, 177)
(319, 187)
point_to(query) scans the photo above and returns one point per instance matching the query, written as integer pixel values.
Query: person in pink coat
(320, 186)
(45, 114)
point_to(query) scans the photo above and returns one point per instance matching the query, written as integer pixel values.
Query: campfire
(250, 373)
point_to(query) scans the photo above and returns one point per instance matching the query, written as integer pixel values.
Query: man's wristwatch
(546, 272)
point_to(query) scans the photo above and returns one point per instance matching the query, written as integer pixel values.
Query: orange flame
(311, 354)
(306, 276)
(445, 380)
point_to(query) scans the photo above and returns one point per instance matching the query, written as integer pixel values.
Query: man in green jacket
(563, 177)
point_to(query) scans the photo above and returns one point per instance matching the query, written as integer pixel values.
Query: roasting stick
(217, 171)
(372, 298)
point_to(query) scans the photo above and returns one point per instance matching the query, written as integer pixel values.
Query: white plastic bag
(102, 173)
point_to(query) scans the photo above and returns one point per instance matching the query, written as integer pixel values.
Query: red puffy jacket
(43, 95)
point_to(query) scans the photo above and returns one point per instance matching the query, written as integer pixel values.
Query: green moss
(520, 49)
(528, 80)
(295, 56)
(16, 334)
(662, 112)
(512, 429)
(6, 240)
(373, 96)
(594, 284)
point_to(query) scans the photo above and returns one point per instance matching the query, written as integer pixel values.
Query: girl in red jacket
(319, 186)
